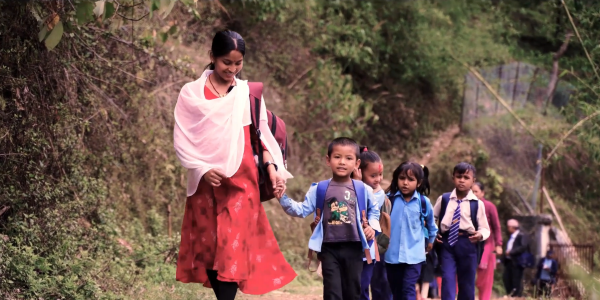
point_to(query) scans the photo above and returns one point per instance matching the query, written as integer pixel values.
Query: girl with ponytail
(413, 228)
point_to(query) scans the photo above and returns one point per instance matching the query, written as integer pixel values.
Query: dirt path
(295, 293)
(439, 144)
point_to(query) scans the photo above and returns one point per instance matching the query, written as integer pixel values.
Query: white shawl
(209, 134)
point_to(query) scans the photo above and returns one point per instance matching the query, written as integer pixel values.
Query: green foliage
(88, 166)
(68, 124)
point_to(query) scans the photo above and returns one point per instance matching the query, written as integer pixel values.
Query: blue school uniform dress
(406, 252)
(374, 275)
(340, 246)
(457, 254)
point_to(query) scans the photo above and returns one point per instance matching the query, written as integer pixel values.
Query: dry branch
(562, 139)
(554, 75)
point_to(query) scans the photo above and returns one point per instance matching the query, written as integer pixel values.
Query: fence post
(538, 172)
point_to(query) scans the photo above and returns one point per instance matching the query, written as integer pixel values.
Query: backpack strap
(255, 96)
(445, 201)
(359, 188)
(321, 191)
(423, 212)
(320, 204)
(474, 208)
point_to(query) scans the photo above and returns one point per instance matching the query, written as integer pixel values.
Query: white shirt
(511, 241)
(466, 223)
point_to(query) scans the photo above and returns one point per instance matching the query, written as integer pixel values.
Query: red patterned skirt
(226, 229)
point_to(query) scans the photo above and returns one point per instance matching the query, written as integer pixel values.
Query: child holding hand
(346, 221)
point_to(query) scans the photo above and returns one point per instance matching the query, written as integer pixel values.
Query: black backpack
(474, 208)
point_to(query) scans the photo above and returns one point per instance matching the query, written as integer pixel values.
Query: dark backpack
(474, 208)
(277, 127)
(526, 260)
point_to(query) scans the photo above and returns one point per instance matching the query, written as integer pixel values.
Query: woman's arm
(495, 225)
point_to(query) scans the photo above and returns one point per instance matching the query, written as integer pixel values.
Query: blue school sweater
(407, 240)
(303, 209)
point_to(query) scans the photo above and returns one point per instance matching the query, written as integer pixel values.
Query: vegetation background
(87, 91)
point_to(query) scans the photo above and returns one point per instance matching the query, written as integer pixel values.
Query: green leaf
(43, 32)
(109, 10)
(164, 36)
(84, 12)
(55, 35)
(172, 30)
(99, 8)
(154, 5)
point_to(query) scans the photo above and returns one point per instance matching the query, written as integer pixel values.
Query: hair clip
(365, 150)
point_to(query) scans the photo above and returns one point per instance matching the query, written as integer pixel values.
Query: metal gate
(581, 255)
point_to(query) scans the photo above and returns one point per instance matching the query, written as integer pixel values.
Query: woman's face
(477, 192)
(227, 66)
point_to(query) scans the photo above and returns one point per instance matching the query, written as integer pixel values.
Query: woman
(492, 246)
(226, 240)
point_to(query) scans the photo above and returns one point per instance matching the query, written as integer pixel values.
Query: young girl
(371, 173)
(411, 212)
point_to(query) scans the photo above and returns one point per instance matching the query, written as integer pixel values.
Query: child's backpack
(474, 208)
(383, 239)
(359, 189)
(277, 127)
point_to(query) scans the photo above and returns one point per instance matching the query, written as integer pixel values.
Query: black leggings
(223, 290)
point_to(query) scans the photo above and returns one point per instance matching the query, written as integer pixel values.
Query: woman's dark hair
(480, 185)
(463, 168)
(367, 157)
(224, 42)
(421, 174)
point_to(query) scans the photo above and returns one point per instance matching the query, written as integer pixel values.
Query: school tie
(453, 236)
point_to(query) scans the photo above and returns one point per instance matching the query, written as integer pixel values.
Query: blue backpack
(423, 212)
(474, 208)
(359, 188)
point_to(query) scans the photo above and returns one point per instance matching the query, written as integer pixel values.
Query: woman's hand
(499, 250)
(277, 181)
(280, 186)
(214, 177)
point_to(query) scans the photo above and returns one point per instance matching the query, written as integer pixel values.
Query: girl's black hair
(367, 157)
(224, 42)
(420, 173)
(463, 168)
(480, 185)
